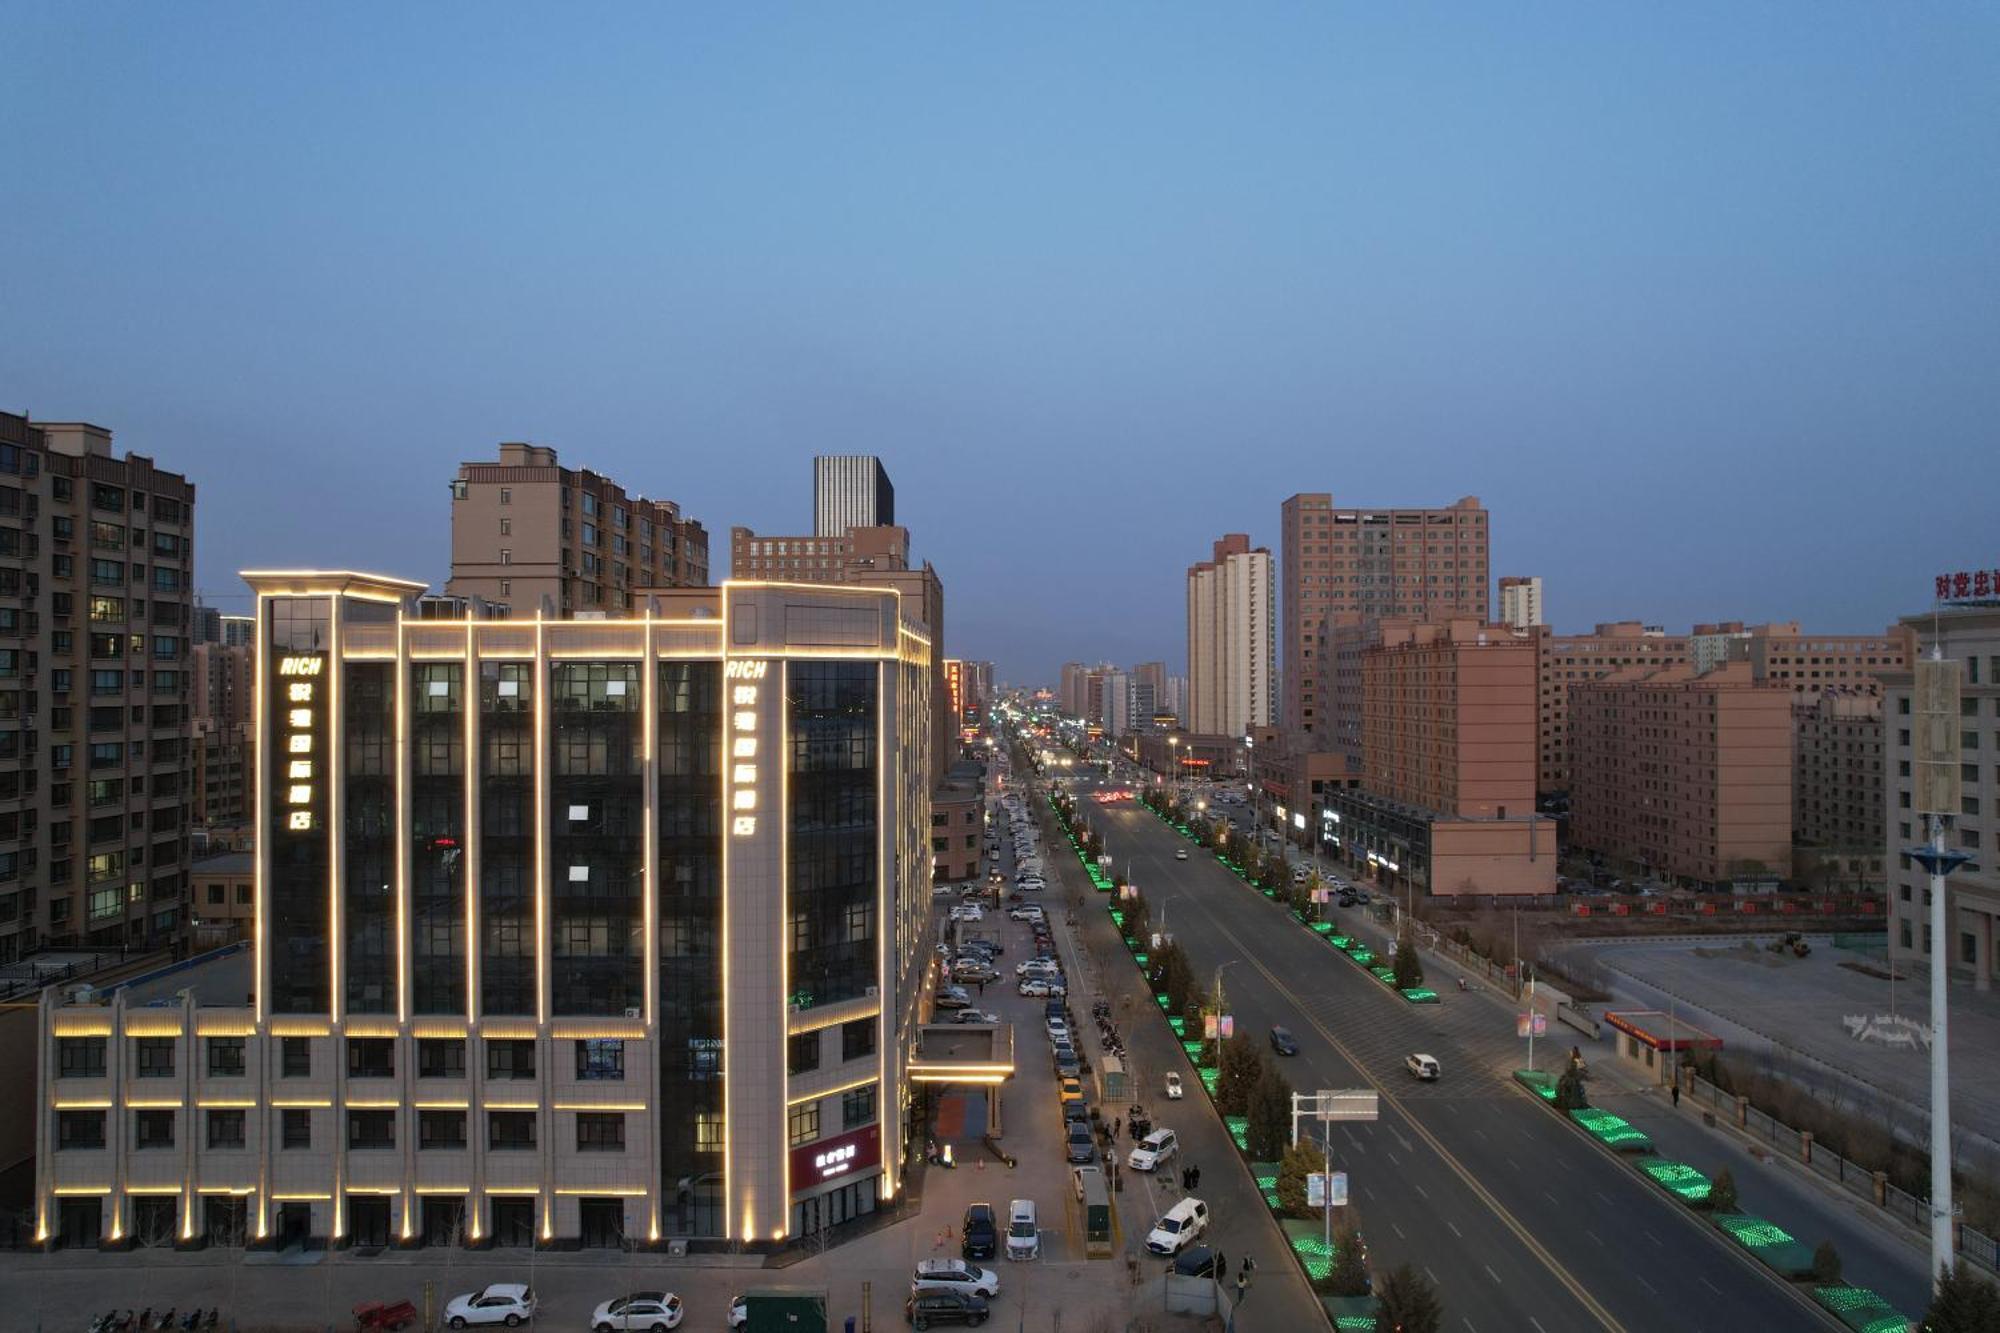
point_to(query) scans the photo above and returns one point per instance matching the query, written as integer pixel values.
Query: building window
(510, 1131)
(600, 1131)
(371, 1057)
(225, 1129)
(510, 1059)
(506, 495)
(79, 1129)
(440, 1129)
(600, 1059)
(857, 1107)
(295, 1057)
(440, 1057)
(371, 1129)
(857, 1039)
(802, 1053)
(295, 1128)
(225, 1057)
(80, 1057)
(803, 1122)
(155, 1057)
(708, 1134)
(152, 1129)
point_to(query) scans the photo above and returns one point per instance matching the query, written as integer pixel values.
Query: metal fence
(1975, 1247)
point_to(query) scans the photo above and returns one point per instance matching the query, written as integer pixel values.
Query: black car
(1196, 1261)
(1283, 1042)
(980, 1232)
(925, 1308)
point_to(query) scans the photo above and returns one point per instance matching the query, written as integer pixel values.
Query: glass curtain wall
(437, 833)
(300, 856)
(688, 886)
(368, 960)
(597, 804)
(831, 909)
(507, 838)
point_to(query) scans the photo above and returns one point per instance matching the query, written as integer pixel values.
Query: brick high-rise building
(1837, 804)
(96, 766)
(1564, 660)
(1232, 639)
(1362, 564)
(1682, 775)
(1446, 802)
(529, 533)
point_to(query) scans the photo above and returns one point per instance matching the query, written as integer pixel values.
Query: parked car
(979, 1234)
(509, 1303)
(647, 1310)
(1177, 1230)
(1153, 1150)
(1180, 853)
(1422, 1066)
(1082, 1144)
(927, 1308)
(975, 1016)
(1283, 1042)
(947, 999)
(1024, 1230)
(955, 1275)
(1033, 986)
(1174, 1092)
(1197, 1261)
(739, 1312)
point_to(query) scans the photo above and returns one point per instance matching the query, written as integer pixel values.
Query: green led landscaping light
(1678, 1178)
(1178, 1024)
(1323, 927)
(1208, 1077)
(1163, 1001)
(1860, 1309)
(1239, 1129)
(1420, 995)
(1191, 1046)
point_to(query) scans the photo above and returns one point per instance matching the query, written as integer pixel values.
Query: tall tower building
(1351, 565)
(1521, 601)
(96, 593)
(527, 532)
(1232, 639)
(851, 491)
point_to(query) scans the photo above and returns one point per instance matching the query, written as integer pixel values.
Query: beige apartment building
(534, 536)
(1521, 601)
(1685, 776)
(1969, 635)
(96, 766)
(1361, 564)
(1564, 660)
(1232, 640)
(1446, 802)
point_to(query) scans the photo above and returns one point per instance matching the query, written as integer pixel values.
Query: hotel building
(567, 933)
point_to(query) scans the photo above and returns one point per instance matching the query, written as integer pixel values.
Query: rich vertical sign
(298, 710)
(745, 682)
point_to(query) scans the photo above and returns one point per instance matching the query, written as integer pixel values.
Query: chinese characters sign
(745, 682)
(298, 707)
(1969, 585)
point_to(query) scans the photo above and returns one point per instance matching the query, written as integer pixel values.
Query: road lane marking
(1420, 1189)
(1468, 1324)
(1647, 1285)
(1454, 1228)
(1393, 1159)
(1520, 1230)
(1514, 1164)
(1711, 1286)
(1538, 1324)
(1655, 1239)
(1490, 1273)
(1552, 1198)
(1398, 1230)
(1593, 1235)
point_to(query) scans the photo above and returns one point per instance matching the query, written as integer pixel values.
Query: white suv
(1153, 1150)
(955, 1275)
(508, 1303)
(1182, 1223)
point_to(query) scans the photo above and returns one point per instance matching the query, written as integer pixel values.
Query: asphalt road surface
(1521, 1223)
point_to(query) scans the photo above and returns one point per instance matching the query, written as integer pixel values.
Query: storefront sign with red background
(829, 1159)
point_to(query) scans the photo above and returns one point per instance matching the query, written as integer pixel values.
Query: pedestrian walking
(1677, 1093)
(1242, 1286)
(1117, 1123)
(1196, 1171)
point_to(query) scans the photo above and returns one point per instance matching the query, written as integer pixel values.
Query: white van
(1024, 1233)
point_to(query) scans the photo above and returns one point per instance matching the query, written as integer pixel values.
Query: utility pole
(1938, 788)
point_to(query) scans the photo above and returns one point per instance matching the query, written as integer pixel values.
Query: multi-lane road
(1522, 1223)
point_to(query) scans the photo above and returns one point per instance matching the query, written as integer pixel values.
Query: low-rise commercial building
(580, 932)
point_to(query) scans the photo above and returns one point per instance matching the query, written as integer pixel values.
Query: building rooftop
(226, 863)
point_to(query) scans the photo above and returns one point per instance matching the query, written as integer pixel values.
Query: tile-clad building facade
(1446, 800)
(1970, 636)
(528, 533)
(1232, 639)
(568, 932)
(1566, 659)
(1837, 787)
(1685, 776)
(1360, 564)
(96, 587)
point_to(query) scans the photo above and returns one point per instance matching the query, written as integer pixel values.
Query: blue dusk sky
(1702, 300)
